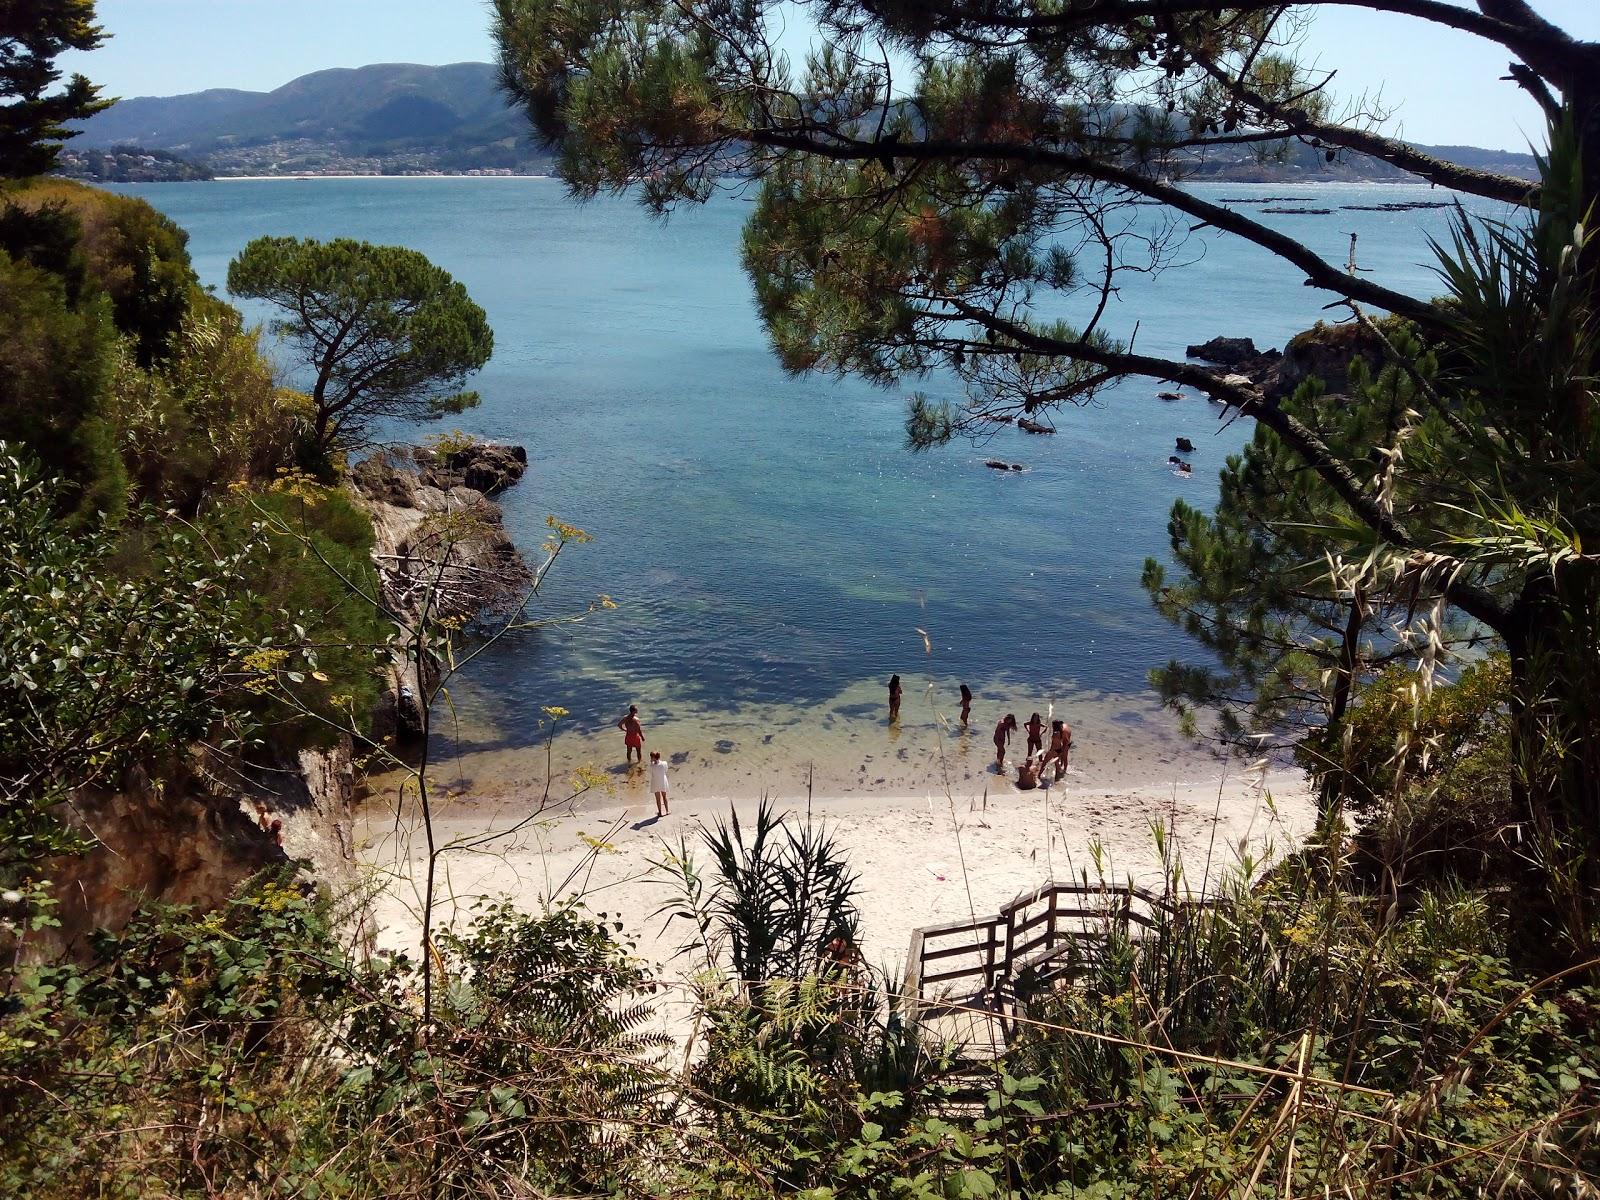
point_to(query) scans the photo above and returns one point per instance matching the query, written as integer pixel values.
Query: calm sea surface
(772, 545)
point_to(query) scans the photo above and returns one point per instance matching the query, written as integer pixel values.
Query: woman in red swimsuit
(632, 735)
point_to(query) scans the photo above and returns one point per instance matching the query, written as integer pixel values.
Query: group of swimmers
(1031, 770)
(1032, 767)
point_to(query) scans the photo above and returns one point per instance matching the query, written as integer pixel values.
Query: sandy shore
(921, 859)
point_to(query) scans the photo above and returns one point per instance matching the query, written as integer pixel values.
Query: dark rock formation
(1169, 395)
(438, 535)
(1226, 351)
(1031, 426)
(1185, 446)
(998, 465)
(486, 467)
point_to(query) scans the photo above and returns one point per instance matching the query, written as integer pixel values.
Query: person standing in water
(632, 735)
(659, 784)
(1002, 735)
(1035, 728)
(894, 698)
(966, 704)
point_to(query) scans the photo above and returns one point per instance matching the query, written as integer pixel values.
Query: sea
(774, 550)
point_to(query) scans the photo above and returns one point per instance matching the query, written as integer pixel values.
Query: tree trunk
(1336, 781)
(1555, 740)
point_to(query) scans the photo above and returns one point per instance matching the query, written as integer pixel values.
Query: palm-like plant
(780, 895)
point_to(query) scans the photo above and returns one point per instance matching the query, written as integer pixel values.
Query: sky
(1443, 86)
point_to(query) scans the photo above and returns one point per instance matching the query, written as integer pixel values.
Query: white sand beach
(921, 859)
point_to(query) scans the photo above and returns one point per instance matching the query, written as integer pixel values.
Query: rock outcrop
(1323, 352)
(1227, 351)
(438, 539)
(193, 836)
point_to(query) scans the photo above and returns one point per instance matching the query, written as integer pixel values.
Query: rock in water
(1169, 395)
(1031, 426)
(1225, 351)
(472, 569)
(1185, 446)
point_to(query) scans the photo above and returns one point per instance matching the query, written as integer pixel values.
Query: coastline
(307, 178)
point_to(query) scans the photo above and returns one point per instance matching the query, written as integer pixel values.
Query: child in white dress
(659, 783)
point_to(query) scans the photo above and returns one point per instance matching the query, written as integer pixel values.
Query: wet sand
(843, 747)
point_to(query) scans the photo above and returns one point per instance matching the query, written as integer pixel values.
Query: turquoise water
(769, 540)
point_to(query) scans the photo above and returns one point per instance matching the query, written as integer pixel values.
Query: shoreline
(308, 178)
(918, 860)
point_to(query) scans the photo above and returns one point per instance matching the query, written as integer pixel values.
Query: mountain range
(394, 116)
(399, 118)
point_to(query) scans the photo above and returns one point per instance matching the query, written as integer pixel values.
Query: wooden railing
(1035, 932)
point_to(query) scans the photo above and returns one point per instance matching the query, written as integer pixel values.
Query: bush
(136, 256)
(55, 362)
(209, 415)
(244, 1053)
(306, 595)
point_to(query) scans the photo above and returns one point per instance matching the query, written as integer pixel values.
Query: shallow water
(772, 546)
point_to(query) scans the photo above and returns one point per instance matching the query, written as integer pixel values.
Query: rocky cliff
(440, 541)
(190, 832)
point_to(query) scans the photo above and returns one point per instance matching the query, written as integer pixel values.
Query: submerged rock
(1185, 446)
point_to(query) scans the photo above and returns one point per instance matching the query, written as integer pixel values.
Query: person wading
(632, 735)
(1002, 735)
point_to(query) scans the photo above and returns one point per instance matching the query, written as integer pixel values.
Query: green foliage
(1429, 769)
(55, 362)
(126, 250)
(209, 416)
(244, 1052)
(34, 121)
(97, 288)
(1425, 1063)
(307, 601)
(111, 655)
(1293, 641)
(383, 332)
(775, 902)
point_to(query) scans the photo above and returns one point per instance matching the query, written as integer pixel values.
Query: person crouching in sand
(1002, 735)
(1028, 774)
(659, 784)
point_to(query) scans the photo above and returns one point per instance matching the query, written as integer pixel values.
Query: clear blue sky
(1443, 85)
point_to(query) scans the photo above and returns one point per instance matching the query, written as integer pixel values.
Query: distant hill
(400, 117)
(386, 116)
